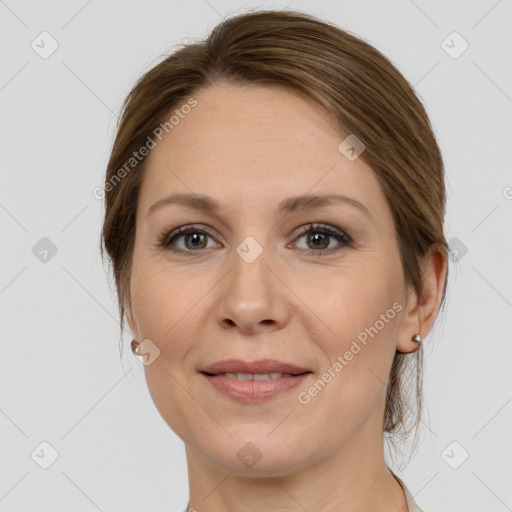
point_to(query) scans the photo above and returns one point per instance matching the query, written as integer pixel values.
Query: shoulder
(413, 506)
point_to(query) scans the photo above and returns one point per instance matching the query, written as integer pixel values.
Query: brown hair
(355, 83)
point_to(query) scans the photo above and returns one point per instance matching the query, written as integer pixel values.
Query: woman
(274, 218)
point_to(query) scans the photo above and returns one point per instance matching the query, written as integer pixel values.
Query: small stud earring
(135, 345)
(416, 338)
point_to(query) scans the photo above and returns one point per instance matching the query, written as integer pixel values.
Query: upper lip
(259, 366)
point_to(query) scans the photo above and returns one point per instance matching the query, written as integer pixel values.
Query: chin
(252, 451)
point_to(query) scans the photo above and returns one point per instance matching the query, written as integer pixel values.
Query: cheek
(347, 301)
(356, 316)
(359, 346)
(173, 308)
(165, 305)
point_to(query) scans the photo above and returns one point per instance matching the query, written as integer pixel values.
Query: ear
(421, 310)
(132, 322)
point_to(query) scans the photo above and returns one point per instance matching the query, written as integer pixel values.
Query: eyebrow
(292, 204)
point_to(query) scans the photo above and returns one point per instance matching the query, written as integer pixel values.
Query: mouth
(252, 382)
(259, 367)
(244, 376)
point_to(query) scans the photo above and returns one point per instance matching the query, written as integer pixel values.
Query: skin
(250, 148)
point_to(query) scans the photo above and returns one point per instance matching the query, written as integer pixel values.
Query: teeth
(256, 376)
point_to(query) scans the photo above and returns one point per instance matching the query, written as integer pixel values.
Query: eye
(319, 238)
(194, 239)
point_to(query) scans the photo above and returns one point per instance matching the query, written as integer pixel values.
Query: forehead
(239, 141)
(239, 122)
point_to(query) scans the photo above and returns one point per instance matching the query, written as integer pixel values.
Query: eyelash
(167, 238)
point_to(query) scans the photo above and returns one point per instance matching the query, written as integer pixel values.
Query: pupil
(322, 239)
(197, 237)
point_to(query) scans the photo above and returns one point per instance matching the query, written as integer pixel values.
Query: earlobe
(421, 309)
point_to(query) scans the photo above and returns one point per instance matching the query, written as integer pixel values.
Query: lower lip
(252, 391)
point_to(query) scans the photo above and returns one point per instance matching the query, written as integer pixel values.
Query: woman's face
(250, 285)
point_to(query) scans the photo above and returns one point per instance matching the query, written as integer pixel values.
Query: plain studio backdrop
(79, 430)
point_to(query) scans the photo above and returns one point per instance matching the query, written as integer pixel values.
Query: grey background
(62, 380)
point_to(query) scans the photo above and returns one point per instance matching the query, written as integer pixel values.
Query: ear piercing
(135, 344)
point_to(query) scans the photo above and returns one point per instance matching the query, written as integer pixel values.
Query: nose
(253, 297)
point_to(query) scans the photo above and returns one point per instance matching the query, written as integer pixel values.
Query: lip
(259, 366)
(254, 391)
